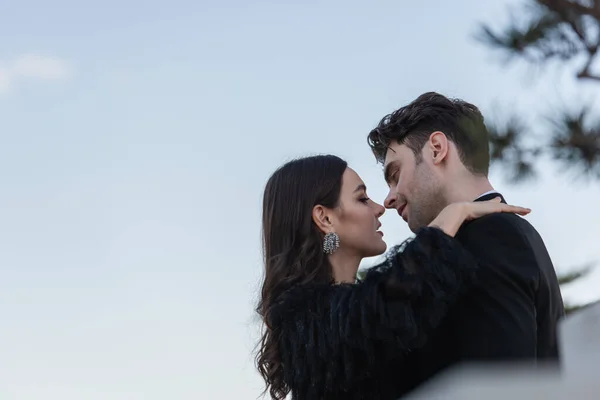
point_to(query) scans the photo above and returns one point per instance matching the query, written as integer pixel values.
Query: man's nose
(390, 200)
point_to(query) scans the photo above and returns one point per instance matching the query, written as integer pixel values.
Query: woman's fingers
(516, 209)
(477, 210)
(508, 208)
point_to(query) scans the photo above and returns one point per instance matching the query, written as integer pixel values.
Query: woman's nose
(379, 210)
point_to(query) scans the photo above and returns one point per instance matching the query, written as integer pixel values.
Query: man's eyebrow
(360, 187)
(389, 169)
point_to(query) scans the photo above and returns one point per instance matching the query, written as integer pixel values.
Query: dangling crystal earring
(331, 242)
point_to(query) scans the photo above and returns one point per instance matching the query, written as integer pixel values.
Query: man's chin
(414, 226)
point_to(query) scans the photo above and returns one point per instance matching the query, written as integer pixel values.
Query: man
(435, 151)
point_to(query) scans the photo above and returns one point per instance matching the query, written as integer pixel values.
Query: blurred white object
(499, 382)
(578, 379)
(580, 343)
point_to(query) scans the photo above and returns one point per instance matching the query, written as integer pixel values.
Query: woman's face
(356, 220)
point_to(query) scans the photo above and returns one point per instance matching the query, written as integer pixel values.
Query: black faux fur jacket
(348, 341)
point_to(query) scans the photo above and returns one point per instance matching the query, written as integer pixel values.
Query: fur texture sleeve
(334, 336)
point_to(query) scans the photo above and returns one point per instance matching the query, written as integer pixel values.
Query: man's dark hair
(461, 122)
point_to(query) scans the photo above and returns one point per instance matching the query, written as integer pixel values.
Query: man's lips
(401, 212)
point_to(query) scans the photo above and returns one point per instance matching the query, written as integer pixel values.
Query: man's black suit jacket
(512, 311)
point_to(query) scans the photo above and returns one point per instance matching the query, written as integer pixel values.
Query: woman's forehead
(352, 182)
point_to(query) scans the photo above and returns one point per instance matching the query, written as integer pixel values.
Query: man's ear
(438, 146)
(322, 218)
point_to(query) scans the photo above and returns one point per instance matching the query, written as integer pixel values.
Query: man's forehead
(397, 152)
(392, 156)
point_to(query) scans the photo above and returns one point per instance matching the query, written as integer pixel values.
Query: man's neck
(468, 189)
(486, 193)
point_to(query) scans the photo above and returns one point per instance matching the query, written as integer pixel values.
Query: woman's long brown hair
(292, 247)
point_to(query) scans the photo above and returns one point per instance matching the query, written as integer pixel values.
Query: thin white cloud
(28, 67)
(4, 80)
(35, 66)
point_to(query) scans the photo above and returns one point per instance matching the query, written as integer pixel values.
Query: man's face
(415, 190)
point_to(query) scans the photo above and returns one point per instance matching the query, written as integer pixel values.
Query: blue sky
(135, 142)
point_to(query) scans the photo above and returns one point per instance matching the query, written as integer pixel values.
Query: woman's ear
(321, 217)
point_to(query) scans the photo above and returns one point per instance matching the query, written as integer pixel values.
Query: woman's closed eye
(364, 200)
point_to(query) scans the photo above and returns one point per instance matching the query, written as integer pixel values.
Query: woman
(327, 337)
